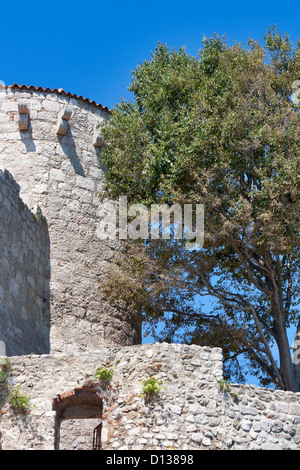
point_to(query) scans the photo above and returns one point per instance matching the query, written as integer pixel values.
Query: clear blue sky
(90, 47)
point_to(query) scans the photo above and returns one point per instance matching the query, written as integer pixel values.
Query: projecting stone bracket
(63, 120)
(97, 138)
(23, 116)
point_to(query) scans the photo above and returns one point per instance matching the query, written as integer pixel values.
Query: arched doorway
(82, 409)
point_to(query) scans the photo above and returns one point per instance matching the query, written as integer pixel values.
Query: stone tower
(49, 143)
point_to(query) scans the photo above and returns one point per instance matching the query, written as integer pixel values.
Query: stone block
(2, 348)
(67, 112)
(62, 127)
(23, 122)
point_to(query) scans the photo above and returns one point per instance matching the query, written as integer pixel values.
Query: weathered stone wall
(191, 412)
(262, 419)
(62, 174)
(24, 274)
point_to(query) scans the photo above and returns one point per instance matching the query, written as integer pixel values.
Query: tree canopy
(219, 129)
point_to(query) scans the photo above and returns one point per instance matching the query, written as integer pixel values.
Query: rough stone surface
(190, 412)
(24, 274)
(63, 174)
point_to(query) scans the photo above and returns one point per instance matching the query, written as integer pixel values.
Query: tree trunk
(287, 368)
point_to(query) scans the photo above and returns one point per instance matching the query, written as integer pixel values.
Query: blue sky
(89, 48)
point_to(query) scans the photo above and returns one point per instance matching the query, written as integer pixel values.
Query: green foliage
(3, 377)
(104, 374)
(221, 130)
(7, 365)
(19, 403)
(5, 369)
(224, 385)
(150, 387)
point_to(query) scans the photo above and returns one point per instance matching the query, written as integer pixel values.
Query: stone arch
(84, 402)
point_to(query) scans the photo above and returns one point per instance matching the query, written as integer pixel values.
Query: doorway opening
(78, 423)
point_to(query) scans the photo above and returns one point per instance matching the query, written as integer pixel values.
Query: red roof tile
(59, 91)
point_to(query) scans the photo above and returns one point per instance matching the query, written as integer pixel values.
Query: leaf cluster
(219, 129)
(104, 374)
(150, 387)
(20, 403)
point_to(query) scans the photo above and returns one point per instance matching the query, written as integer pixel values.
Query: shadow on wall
(68, 147)
(27, 140)
(24, 277)
(46, 320)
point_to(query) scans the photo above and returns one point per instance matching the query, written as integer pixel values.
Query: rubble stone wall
(192, 411)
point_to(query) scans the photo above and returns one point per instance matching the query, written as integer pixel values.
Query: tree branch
(236, 301)
(254, 279)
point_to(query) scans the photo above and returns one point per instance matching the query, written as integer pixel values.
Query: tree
(221, 130)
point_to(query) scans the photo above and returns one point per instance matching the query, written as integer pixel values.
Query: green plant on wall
(150, 387)
(103, 374)
(6, 366)
(3, 377)
(19, 403)
(5, 369)
(12, 395)
(224, 385)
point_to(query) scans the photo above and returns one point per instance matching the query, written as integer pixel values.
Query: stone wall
(24, 274)
(63, 174)
(192, 411)
(262, 419)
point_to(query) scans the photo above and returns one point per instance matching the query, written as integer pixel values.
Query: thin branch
(254, 279)
(247, 308)
(289, 291)
(266, 344)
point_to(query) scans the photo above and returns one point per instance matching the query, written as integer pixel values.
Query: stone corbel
(63, 120)
(97, 138)
(23, 116)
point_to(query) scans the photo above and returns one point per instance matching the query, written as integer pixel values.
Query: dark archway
(79, 404)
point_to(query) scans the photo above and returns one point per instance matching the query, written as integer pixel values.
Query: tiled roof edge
(59, 91)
